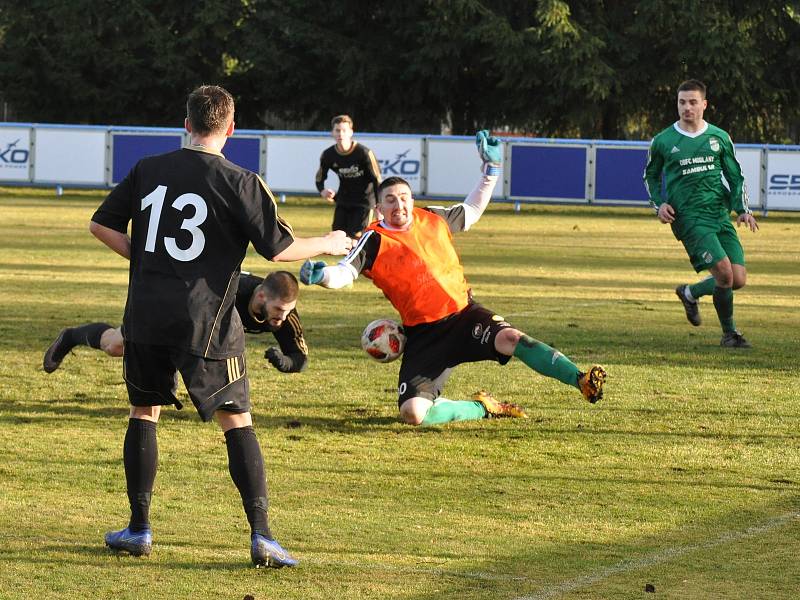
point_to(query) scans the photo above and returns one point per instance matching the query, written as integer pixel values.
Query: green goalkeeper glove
(490, 150)
(311, 272)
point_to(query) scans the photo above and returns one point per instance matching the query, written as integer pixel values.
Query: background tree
(579, 68)
(113, 61)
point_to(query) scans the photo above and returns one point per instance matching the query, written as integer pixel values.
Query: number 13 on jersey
(155, 201)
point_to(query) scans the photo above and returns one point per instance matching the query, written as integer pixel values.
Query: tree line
(604, 69)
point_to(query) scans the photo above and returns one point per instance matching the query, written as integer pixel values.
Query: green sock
(723, 302)
(704, 287)
(546, 360)
(445, 411)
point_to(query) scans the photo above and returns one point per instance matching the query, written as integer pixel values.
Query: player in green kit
(693, 155)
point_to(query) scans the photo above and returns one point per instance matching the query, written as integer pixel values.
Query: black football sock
(140, 454)
(246, 466)
(89, 334)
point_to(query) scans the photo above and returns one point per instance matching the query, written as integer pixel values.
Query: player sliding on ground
(263, 305)
(410, 256)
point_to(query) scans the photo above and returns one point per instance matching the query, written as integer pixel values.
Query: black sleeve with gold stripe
(292, 343)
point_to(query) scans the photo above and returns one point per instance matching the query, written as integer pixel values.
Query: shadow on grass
(700, 551)
(358, 422)
(57, 409)
(79, 554)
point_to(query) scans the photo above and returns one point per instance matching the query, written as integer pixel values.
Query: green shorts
(708, 243)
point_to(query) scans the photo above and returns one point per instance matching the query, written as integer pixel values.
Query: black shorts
(433, 349)
(150, 373)
(351, 218)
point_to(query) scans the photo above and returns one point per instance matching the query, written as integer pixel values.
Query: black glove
(278, 359)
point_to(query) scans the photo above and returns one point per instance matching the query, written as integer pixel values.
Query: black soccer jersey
(363, 254)
(289, 335)
(192, 214)
(357, 169)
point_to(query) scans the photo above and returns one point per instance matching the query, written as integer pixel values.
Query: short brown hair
(341, 119)
(693, 85)
(209, 109)
(281, 285)
(390, 181)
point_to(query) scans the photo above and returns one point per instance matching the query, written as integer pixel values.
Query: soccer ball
(383, 340)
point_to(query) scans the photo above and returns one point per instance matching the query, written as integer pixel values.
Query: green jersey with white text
(693, 165)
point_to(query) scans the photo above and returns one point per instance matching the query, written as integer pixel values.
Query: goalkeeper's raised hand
(491, 152)
(312, 271)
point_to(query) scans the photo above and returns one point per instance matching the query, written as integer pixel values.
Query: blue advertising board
(244, 151)
(128, 149)
(548, 172)
(618, 175)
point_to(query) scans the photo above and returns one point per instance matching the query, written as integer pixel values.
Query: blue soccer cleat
(135, 544)
(269, 553)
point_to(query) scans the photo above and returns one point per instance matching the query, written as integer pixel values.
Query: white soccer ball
(383, 340)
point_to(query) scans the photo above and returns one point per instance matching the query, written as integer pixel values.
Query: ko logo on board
(400, 165)
(13, 155)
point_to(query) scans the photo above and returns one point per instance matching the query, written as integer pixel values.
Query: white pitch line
(657, 558)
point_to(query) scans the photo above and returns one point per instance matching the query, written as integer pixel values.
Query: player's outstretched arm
(316, 272)
(490, 152)
(335, 243)
(119, 242)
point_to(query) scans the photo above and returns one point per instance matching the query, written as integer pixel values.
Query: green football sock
(546, 360)
(723, 302)
(445, 411)
(704, 287)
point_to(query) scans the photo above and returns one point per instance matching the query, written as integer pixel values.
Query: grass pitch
(686, 477)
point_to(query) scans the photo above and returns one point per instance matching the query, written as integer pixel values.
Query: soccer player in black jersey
(192, 214)
(264, 305)
(359, 176)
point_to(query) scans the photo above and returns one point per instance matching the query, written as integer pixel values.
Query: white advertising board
(70, 156)
(454, 168)
(293, 162)
(15, 154)
(750, 160)
(783, 180)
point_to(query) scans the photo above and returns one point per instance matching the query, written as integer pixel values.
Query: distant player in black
(264, 305)
(192, 214)
(359, 176)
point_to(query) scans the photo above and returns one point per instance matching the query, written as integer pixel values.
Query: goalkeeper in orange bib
(410, 256)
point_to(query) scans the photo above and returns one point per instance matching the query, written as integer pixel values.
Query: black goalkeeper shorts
(150, 373)
(433, 349)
